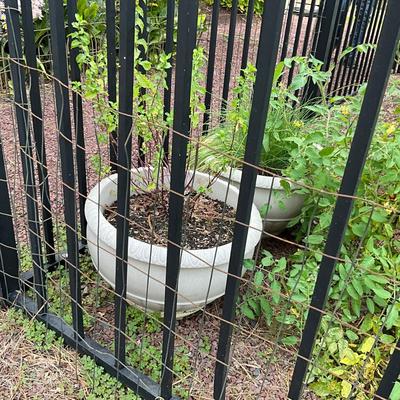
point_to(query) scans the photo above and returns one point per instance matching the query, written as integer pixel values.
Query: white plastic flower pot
(283, 207)
(199, 282)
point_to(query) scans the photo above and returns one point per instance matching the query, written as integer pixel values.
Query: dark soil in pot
(207, 222)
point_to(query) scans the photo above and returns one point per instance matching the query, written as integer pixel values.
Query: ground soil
(206, 223)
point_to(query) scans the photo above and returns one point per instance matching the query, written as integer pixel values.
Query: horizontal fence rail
(152, 144)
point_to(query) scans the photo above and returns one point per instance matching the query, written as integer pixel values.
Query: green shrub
(224, 145)
(364, 287)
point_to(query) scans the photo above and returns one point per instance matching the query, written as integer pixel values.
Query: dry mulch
(27, 372)
(206, 222)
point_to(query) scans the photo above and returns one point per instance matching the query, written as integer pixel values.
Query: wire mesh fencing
(205, 202)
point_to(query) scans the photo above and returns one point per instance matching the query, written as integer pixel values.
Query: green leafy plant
(92, 11)
(156, 32)
(225, 144)
(150, 124)
(36, 332)
(102, 386)
(259, 302)
(364, 286)
(149, 83)
(93, 86)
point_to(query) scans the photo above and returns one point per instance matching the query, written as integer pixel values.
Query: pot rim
(141, 251)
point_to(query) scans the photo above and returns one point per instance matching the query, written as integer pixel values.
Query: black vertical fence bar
(211, 64)
(229, 56)
(360, 59)
(380, 23)
(187, 32)
(9, 263)
(247, 34)
(78, 123)
(26, 148)
(321, 7)
(37, 126)
(390, 375)
(341, 38)
(266, 58)
(325, 41)
(60, 68)
(371, 52)
(359, 150)
(354, 61)
(288, 27)
(341, 70)
(307, 34)
(299, 28)
(111, 74)
(349, 60)
(353, 40)
(142, 55)
(168, 49)
(126, 39)
(375, 33)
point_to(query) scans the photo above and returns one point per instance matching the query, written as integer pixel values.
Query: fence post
(9, 263)
(37, 127)
(142, 35)
(211, 64)
(78, 121)
(111, 76)
(125, 131)
(229, 56)
(187, 29)
(286, 38)
(168, 49)
(390, 375)
(308, 27)
(358, 153)
(58, 46)
(26, 149)
(324, 43)
(247, 35)
(266, 60)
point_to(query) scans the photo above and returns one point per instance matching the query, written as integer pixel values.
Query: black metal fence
(35, 212)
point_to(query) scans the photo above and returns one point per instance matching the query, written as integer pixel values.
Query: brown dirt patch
(206, 222)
